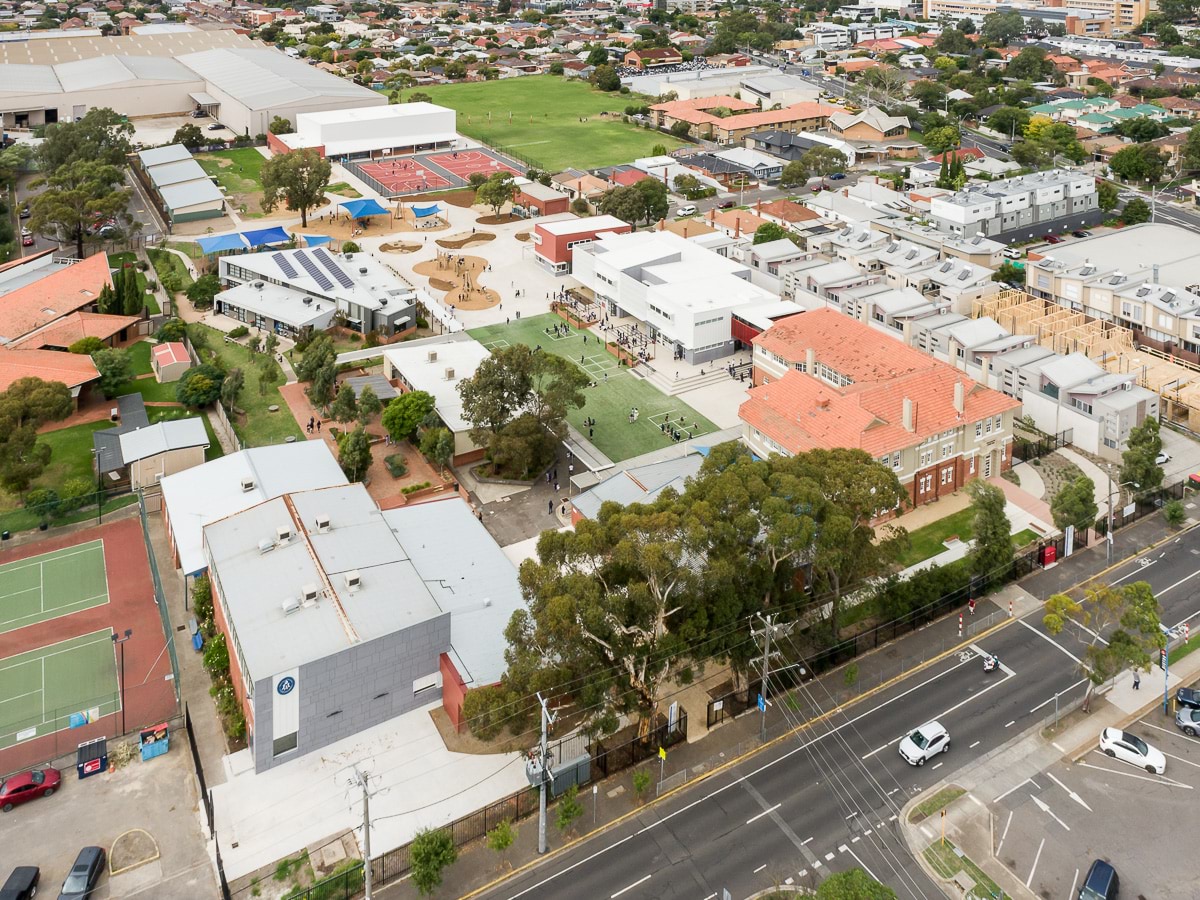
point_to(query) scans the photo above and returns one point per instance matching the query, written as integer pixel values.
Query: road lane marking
(1050, 640)
(1003, 836)
(1158, 779)
(828, 857)
(1035, 862)
(1136, 571)
(863, 865)
(974, 745)
(803, 874)
(1015, 787)
(1070, 793)
(925, 831)
(1059, 694)
(760, 868)
(1181, 759)
(855, 839)
(976, 801)
(1011, 723)
(851, 816)
(1045, 807)
(632, 886)
(1074, 881)
(945, 712)
(765, 812)
(935, 768)
(867, 833)
(1177, 584)
(805, 841)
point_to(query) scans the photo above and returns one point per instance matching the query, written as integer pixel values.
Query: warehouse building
(368, 132)
(241, 83)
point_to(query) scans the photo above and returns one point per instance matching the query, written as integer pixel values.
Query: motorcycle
(991, 663)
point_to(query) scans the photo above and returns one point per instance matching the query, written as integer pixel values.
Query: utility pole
(547, 721)
(361, 779)
(769, 623)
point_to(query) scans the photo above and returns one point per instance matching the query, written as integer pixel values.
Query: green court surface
(41, 689)
(53, 584)
(611, 400)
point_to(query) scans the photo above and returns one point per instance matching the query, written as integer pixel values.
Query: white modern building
(365, 132)
(688, 296)
(293, 292)
(1020, 208)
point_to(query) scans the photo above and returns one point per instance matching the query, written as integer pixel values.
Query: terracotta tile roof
(47, 299)
(170, 352)
(802, 412)
(735, 221)
(631, 176)
(69, 329)
(72, 369)
(963, 153)
(674, 107)
(787, 210)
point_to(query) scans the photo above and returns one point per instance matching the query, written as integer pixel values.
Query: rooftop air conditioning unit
(290, 605)
(353, 580)
(307, 301)
(284, 533)
(266, 545)
(383, 301)
(449, 374)
(259, 285)
(247, 485)
(322, 523)
(309, 594)
(362, 270)
(431, 356)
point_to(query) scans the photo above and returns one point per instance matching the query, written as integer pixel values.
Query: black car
(215, 126)
(1081, 234)
(1189, 697)
(84, 874)
(21, 884)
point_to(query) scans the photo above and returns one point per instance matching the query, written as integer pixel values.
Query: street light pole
(120, 642)
(1108, 536)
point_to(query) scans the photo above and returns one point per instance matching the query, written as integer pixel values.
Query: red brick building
(825, 380)
(539, 200)
(554, 242)
(654, 57)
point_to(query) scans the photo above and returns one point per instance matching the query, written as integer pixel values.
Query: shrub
(240, 332)
(202, 603)
(413, 488)
(75, 492)
(569, 809)
(87, 346)
(172, 330)
(43, 501)
(641, 781)
(351, 247)
(1174, 513)
(396, 464)
(483, 710)
(216, 656)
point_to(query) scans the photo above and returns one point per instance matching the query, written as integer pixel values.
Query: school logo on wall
(286, 685)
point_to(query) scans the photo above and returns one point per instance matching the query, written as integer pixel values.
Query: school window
(971, 467)
(896, 460)
(988, 429)
(926, 483)
(999, 422)
(978, 429)
(284, 744)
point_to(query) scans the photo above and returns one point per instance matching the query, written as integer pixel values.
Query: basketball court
(404, 176)
(53, 584)
(431, 171)
(465, 163)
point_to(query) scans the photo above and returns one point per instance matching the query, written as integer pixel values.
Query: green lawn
(609, 401)
(139, 355)
(150, 390)
(929, 541)
(238, 172)
(546, 126)
(947, 862)
(165, 262)
(116, 260)
(168, 413)
(261, 426)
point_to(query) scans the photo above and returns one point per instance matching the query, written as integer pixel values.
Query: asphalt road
(827, 798)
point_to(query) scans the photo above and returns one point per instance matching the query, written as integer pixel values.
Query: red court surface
(404, 176)
(149, 695)
(468, 162)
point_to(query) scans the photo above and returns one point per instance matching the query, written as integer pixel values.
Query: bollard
(960, 624)
(1010, 609)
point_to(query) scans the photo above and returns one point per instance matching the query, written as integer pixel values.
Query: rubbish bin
(91, 758)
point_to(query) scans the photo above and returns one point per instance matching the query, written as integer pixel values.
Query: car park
(1130, 748)
(1100, 883)
(26, 786)
(1189, 697)
(925, 743)
(84, 875)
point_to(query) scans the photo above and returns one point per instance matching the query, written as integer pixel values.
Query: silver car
(1188, 721)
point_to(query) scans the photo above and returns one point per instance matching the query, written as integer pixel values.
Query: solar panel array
(285, 265)
(338, 273)
(318, 276)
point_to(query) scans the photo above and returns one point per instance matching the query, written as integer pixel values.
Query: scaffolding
(1112, 346)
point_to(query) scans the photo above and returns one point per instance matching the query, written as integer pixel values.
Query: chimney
(845, 192)
(758, 207)
(960, 396)
(810, 360)
(910, 415)
(737, 228)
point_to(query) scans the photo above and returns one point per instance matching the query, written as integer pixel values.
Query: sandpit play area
(458, 278)
(464, 239)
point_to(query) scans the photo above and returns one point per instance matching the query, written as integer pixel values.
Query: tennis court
(613, 394)
(40, 588)
(59, 686)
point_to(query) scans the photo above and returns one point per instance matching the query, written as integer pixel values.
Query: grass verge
(165, 263)
(948, 862)
(937, 802)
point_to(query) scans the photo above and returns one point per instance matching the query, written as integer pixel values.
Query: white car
(688, 210)
(1162, 459)
(1132, 749)
(925, 743)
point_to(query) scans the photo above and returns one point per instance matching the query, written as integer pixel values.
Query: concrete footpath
(970, 823)
(478, 867)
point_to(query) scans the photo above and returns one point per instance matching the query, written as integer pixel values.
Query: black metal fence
(605, 761)
(1025, 449)
(342, 885)
(1144, 504)
(53, 511)
(205, 797)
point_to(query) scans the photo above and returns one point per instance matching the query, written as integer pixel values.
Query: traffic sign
(762, 704)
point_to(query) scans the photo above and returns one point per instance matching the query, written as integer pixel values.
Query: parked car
(925, 743)
(26, 786)
(26, 212)
(1081, 234)
(1189, 697)
(1132, 749)
(197, 114)
(1100, 883)
(837, 176)
(1012, 253)
(688, 210)
(27, 240)
(215, 126)
(21, 884)
(1162, 459)
(84, 875)
(1187, 720)
(1052, 239)
(727, 204)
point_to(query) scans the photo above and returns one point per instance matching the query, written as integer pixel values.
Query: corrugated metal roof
(152, 440)
(177, 172)
(156, 156)
(27, 79)
(190, 193)
(266, 78)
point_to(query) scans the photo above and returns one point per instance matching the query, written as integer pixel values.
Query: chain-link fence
(160, 599)
(53, 511)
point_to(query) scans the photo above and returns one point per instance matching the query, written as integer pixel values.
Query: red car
(27, 240)
(26, 786)
(1052, 239)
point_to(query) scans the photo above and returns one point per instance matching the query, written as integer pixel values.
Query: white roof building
(228, 485)
(363, 130)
